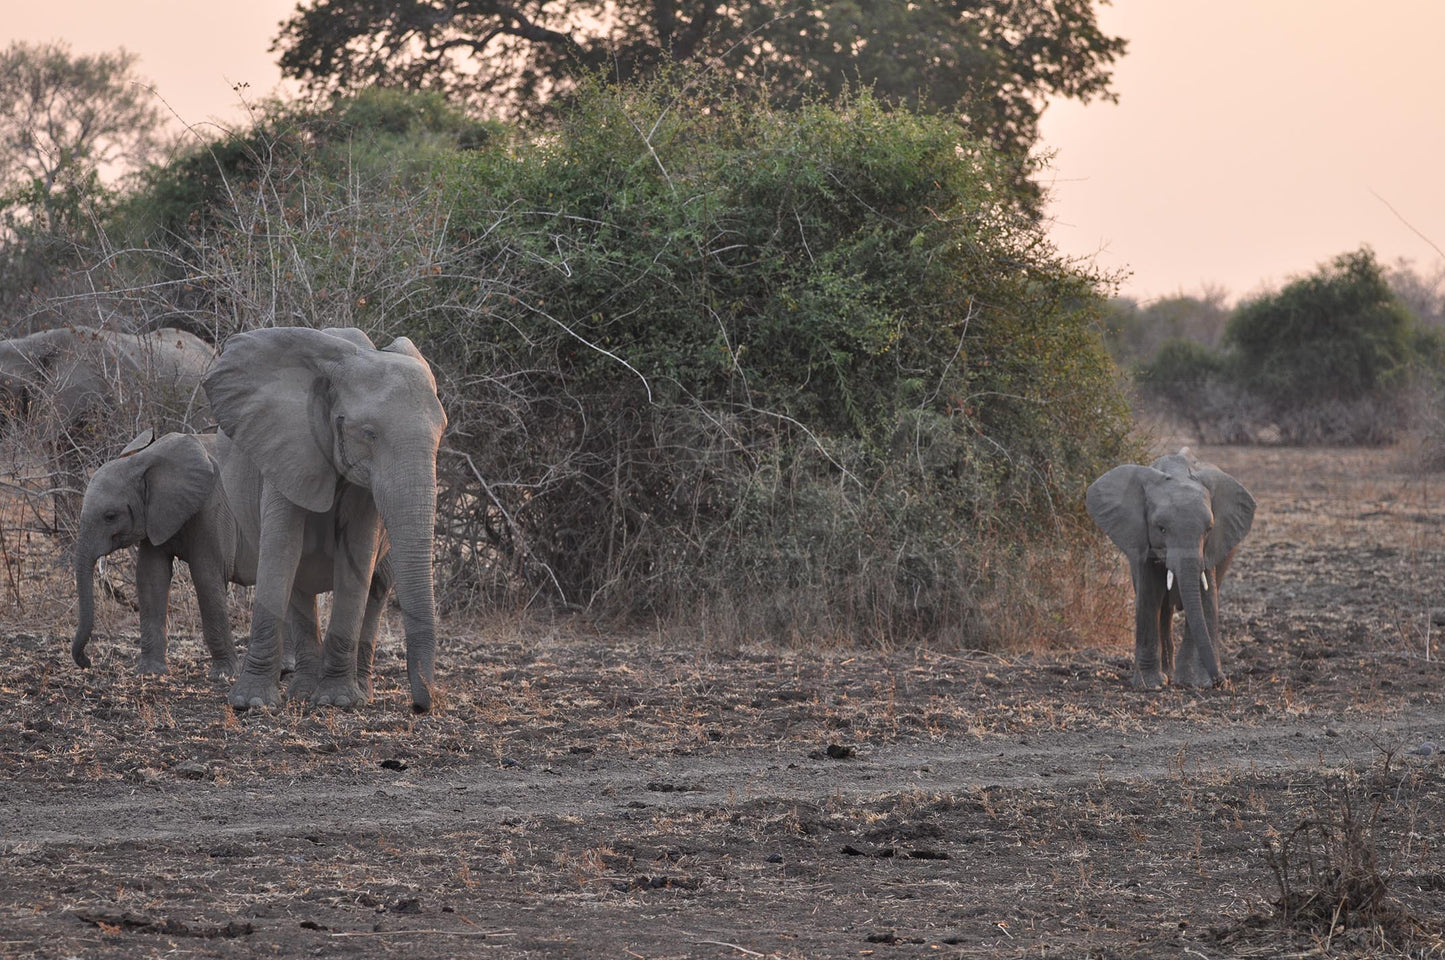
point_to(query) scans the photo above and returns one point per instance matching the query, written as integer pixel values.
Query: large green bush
(1338, 334)
(802, 366)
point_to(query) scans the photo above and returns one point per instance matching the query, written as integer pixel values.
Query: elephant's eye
(110, 517)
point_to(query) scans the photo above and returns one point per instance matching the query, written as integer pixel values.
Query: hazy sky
(1249, 143)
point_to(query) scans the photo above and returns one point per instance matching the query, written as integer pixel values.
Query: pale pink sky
(1247, 142)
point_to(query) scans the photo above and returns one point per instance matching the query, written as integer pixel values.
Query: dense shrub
(763, 372)
(806, 367)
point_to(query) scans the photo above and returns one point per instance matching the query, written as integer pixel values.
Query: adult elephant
(343, 439)
(165, 497)
(71, 374)
(1179, 522)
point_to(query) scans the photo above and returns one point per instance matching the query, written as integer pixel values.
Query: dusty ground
(605, 797)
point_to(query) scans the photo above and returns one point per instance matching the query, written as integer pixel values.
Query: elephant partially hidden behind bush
(1179, 522)
(63, 378)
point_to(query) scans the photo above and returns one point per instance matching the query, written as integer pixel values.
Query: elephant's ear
(404, 346)
(271, 393)
(1116, 502)
(1233, 508)
(354, 334)
(178, 477)
(142, 440)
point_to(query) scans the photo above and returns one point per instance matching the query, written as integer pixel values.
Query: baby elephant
(1178, 522)
(165, 498)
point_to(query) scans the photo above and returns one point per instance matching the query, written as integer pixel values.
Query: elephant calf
(1178, 522)
(165, 498)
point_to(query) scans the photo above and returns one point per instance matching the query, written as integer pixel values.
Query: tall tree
(67, 122)
(992, 62)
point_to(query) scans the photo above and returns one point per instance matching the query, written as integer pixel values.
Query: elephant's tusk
(1169, 580)
(1204, 580)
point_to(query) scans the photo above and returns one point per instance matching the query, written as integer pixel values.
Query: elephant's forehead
(387, 378)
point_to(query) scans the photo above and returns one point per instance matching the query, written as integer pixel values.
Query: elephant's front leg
(282, 536)
(210, 585)
(1150, 596)
(153, 568)
(358, 533)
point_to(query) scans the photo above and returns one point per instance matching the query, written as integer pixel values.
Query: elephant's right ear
(1116, 502)
(271, 393)
(178, 477)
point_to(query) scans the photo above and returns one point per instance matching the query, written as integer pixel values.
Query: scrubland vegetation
(772, 372)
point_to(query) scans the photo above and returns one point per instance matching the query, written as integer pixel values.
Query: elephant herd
(321, 476)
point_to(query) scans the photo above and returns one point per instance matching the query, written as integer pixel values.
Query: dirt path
(582, 797)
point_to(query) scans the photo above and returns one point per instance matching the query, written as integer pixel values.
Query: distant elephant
(165, 497)
(71, 374)
(344, 439)
(1179, 523)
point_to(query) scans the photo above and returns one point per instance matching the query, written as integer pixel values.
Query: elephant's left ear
(271, 393)
(1233, 508)
(404, 346)
(178, 478)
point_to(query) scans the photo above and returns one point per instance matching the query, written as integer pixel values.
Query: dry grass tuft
(1336, 868)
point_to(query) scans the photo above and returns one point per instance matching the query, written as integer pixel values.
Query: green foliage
(991, 63)
(1134, 333)
(1338, 334)
(1334, 357)
(794, 352)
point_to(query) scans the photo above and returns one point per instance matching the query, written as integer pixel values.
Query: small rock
(1426, 749)
(194, 770)
(1331, 732)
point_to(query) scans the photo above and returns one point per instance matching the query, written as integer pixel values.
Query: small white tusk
(1204, 580)
(1169, 580)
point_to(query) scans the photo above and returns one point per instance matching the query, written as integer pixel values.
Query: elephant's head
(1180, 513)
(312, 408)
(147, 493)
(27, 364)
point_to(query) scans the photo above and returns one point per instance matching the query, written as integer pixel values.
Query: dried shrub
(1334, 869)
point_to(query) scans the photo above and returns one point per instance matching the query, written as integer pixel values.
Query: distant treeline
(1351, 353)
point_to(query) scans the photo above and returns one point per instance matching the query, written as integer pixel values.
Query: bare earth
(624, 797)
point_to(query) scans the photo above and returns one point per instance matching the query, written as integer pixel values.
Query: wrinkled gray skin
(1183, 517)
(343, 439)
(166, 499)
(70, 374)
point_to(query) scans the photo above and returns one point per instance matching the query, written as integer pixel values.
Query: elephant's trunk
(85, 588)
(1199, 665)
(409, 513)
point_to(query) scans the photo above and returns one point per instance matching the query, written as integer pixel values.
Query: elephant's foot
(151, 667)
(254, 691)
(343, 692)
(1149, 680)
(224, 668)
(1193, 675)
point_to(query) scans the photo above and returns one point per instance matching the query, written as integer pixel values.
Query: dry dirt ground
(588, 796)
